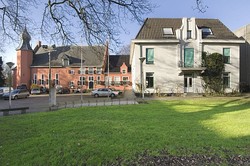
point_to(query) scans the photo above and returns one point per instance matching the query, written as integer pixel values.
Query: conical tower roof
(25, 41)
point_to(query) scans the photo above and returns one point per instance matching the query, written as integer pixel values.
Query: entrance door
(91, 82)
(91, 85)
(188, 83)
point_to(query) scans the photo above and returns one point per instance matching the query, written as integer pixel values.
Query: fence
(96, 102)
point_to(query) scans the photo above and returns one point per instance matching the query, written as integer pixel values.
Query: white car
(5, 90)
(104, 92)
(35, 91)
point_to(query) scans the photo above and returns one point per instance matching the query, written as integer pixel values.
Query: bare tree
(13, 17)
(73, 21)
(125, 50)
(200, 6)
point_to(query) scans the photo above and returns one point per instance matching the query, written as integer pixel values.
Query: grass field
(100, 135)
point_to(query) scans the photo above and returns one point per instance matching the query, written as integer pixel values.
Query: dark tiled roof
(153, 28)
(115, 62)
(92, 56)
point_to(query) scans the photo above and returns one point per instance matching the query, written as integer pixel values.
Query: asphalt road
(40, 103)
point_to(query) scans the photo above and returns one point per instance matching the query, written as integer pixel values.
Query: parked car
(16, 94)
(62, 90)
(4, 90)
(35, 91)
(104, 92)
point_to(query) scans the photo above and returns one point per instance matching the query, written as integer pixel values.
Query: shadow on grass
(100, 135)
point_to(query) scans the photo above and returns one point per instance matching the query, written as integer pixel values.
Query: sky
(233, 13)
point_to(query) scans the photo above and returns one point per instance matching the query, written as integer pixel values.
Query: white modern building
(166, 55)
(244, 32)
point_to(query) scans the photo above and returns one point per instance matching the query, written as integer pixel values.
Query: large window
(81, 80)
(226, 55)
(108, 80)
(149, 55)
(117, 80)
(226, 80)
(188, 57)
(150, 80)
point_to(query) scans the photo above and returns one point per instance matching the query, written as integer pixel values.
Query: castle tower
(24, 60)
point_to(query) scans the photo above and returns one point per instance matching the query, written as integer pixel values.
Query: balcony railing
(189, 66)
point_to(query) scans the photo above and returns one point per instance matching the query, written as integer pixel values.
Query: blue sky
(233, 13)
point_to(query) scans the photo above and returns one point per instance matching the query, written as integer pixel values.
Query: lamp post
(10, 64)
(82, 61)
(142, 78)
(51, 103)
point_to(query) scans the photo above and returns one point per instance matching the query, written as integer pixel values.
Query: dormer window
(206, 31)
(168, 32)
(65, 60)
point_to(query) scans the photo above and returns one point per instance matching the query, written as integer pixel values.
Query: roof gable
(116, 61)
(152, 28)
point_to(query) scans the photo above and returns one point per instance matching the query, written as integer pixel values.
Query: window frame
(149, 75)
(226, 58)
(71, 72)
(226, 83)
(35, 78)
(148, 58)
(56, 79)
(91, 70)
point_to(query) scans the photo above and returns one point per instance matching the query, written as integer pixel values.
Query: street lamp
(82, 61)
(142, 78)
(51, 102)
(10, 64)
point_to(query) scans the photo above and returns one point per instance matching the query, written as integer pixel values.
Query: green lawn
(99, 135)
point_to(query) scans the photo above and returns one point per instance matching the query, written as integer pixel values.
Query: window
(188, 57)
(117, 80)
(149, 55)
(226, 55)
(124, 71)
(57, 79)
(71, 84)
(149, 80)
(65, 62)
(49, 77)
(81, 80)
(125, 80)
(35, 79)
(99, 70)
(206, 31)
(226, 80)
(167, 32)
(108, 80)
(189, 34)
(91, 78)
(91, 70)
(98, 80)
(81, 71)
(42, 80)
(71, 72)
